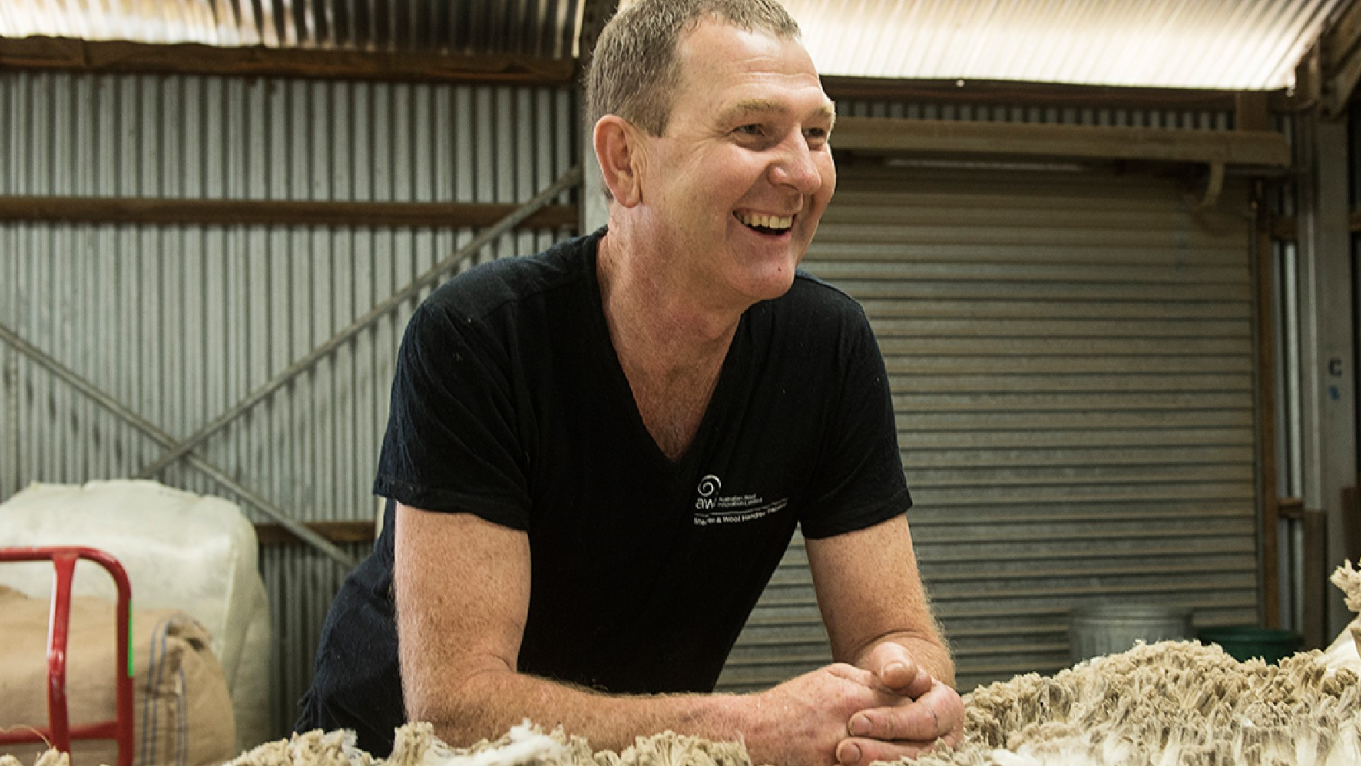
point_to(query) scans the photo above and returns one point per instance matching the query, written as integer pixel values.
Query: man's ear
(618, 149)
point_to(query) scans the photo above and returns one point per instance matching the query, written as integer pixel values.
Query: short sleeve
(860, 479)
(451, 443)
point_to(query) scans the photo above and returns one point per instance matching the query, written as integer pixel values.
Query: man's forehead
(723, 60)
(715, 40)
(826, 109)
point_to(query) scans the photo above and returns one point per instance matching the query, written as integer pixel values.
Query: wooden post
(1316, 570)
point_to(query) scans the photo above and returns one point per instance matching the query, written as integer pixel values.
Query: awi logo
(708, 493)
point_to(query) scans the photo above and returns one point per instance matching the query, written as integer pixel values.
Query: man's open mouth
(765, 224)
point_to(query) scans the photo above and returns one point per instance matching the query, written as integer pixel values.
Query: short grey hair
(635, 71)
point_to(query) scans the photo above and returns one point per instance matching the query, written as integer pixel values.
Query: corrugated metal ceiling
(1222, 44)
(546, 28)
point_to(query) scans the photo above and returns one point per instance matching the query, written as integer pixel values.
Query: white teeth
(767, 221)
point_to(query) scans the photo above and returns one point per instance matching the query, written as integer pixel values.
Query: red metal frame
(60, 732)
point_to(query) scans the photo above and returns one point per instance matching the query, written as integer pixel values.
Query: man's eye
(751, 130)
(816, 134)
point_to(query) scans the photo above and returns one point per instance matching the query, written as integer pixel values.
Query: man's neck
(654, 319)
(670, 348)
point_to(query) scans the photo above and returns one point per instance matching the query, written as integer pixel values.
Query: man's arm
(462, 591)
(878, 619)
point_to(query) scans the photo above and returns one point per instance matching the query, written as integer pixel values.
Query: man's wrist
(752, 719)
(723, 717)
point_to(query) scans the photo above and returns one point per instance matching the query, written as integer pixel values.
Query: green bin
(1244, 643)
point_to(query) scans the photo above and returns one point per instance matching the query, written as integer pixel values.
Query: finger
(937, 714)
(944, 700)
(852, 673)
(896, 669)
(910, 721)
(862, 752)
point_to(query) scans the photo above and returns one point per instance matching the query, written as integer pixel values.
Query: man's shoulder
(487, 288)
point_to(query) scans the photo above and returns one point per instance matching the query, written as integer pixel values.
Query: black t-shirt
(509, 403)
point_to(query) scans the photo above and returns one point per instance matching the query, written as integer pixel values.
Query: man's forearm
(489, 703)
(797, 723)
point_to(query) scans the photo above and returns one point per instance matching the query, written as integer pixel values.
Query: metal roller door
(1072, 361)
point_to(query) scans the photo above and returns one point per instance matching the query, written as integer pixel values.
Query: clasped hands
(887, 709)
(920, 711)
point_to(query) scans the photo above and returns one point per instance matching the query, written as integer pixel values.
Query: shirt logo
(713, 507)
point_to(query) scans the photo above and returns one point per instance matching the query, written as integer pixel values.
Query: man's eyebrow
(751, 106)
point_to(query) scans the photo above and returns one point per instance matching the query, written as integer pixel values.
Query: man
(598, 454)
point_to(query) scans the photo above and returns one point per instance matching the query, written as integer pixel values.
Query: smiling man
(597, 455)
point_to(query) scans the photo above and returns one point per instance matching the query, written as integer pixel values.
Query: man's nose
(795, 166)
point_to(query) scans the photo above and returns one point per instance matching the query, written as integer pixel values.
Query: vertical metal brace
(9, 389)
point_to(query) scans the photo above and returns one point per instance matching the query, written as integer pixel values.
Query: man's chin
(774, 284)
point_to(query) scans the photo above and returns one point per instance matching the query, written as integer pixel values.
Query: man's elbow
(457, 704)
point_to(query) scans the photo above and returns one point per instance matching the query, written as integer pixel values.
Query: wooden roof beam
(259, 61)
(164, 211)
(876, 135)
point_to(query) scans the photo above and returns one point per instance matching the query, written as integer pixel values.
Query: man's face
(743, 171)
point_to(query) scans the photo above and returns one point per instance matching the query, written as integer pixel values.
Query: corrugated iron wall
(1072, 363)
(1072, 359)
(180, 323)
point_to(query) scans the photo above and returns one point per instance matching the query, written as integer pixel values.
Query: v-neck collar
(621, 391)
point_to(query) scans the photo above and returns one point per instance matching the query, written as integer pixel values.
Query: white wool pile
(1175, 704)
(1345, 652)
(524, 745)
(316, 748)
